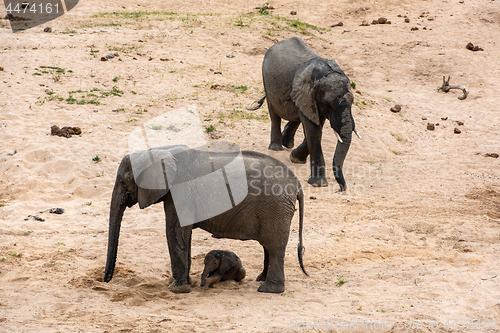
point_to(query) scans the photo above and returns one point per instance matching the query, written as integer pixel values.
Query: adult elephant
(303, 87)
(240, 195)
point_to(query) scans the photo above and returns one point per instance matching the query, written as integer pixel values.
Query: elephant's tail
(258, 104)
(301, 248)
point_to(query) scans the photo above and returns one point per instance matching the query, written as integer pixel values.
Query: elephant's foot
(287, 142)
(275, 146)
(262, 276)
(318, 181)
(297, 160)
(171, 280)
(180, 288)
(271, 287)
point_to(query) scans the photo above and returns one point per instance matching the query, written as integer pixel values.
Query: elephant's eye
(122, 182)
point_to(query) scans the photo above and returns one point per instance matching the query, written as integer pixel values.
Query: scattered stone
(407, 20)
(383, 20)
(444, 118)
(110, 127)
(96, 111)
(414, 29)
(166, 59)
(457, 131)
(340, 24)
(110, 56)
(36, 217)
(312, 198)
(396, 108)
(365, 24)
(473, 47)
(424, 118)
(293, 12)
(66, 131)
(104, 59)
(230, 56)
(56, 210)
(47, 29)
(460, 123)
(494, 155)
(375, 22)
(430, 126)
(1, 69)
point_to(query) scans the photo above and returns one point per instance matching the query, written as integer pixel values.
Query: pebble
(47, 29)
(110, 127)
(430, 126)
(457, 131)
(396, 108)
(56, 210)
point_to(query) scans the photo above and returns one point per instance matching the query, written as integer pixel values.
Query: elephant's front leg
(313, 134)
(179, 247)
(276, 138)
(288, 133)
(211, 280)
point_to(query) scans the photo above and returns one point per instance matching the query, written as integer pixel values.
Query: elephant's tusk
(357, 134)
(338, 136)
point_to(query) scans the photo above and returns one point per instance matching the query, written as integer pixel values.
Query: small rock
(110, 127)
(375, 22)
(36, 217)
(66, 131)
(396, 108)
(364, 24)
(414, 29)
(1, 69)
(312, 198)
(56, 210)
(457, 131)
(460, 123)
(444, 118)
(407, 20)
(104, 59)
(110, 56)
(430, 126)
(424, 118)
(340, 24)
(293, 12)
(96, 110)
(382, 20)
(473, 47)
(47, 29)
(494, 155)
(230, 56)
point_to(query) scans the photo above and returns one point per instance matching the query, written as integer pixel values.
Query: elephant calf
(221, 266)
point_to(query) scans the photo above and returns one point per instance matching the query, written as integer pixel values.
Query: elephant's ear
(152, 181)
(225, 264)
(303, 93)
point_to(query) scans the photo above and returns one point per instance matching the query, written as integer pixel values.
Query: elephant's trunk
(340, 154)
(117, 208)
(204, 276)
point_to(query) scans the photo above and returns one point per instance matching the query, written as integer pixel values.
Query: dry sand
(416, 237)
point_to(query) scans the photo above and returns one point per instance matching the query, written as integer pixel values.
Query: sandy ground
(415, 239)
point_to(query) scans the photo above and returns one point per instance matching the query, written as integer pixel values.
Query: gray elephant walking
(303, 87)
(260, 204)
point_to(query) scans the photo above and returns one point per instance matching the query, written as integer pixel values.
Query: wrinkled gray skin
(261, 216)
(303, 87)
(221, 266)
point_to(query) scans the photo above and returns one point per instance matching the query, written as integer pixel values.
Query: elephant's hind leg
(262, 276)
(275, 280)
(276, 138)
(299, 154)
(288, 133)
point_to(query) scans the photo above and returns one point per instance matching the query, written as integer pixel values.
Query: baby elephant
(221, 266)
